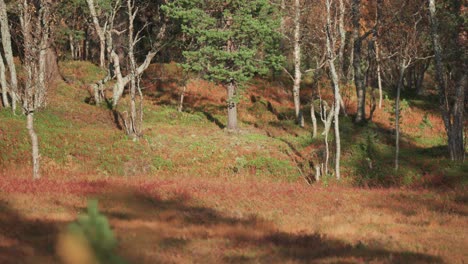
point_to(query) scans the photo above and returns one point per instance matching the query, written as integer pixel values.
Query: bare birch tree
(12, 87)
(100, 31)
(35, 27)
(114, 62)
(297, 63)
(3, 83)
(331, 56)
(133, 123)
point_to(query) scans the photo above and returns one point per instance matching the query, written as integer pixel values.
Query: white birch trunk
(297, 63)
(342, 31)
(379, 74)
(118, 88)
(99, 31)
(72, 46)
(6, 42)
(34, 145)
(3, 83)
(314, 119)
(336, 88)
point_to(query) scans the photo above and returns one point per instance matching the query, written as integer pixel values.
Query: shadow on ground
(151, 229)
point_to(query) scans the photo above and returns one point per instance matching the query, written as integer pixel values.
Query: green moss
(278, 169)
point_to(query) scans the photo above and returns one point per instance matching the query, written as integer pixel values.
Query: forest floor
(190, 192)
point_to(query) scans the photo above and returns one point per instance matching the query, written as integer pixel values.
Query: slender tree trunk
(336, 89)
(420, 77)
(457, 150)
(379, 73)
(3, 83)
(134, 129)
(327, 118)
(283, 24)
(36, 46)
(314, 119)
(342, 30)
(358, 75)
(350, 70)
(377, 50)
(397, 114)
(8, 52)
(86, 46)
(72, 46)
(232, 107)
(40, 97)
(100, 32)
(297, 63)
(34, 144)
(182, 95)
(453, 116)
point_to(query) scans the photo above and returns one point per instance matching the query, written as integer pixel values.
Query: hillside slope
(190, 192)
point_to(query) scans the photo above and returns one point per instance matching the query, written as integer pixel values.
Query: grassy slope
(190, 191)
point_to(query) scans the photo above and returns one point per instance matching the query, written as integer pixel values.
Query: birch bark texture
(8, 54)
(100, 32)
(36, 44)
(297, 63)
(331, 56)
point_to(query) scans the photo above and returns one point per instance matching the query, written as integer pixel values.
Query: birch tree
(35, 28)
(100, 30)
(133, 123)
(451, 84)
(297, 63)
(3, 83)
(331, 56)
(12, 87)
(114, 57)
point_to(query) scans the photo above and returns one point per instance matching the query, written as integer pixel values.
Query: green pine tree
(230, 41)
(96, 229)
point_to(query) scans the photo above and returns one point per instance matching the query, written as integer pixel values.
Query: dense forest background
(393, 49)
(266, 127)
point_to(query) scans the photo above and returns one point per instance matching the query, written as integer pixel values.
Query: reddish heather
(186, 220)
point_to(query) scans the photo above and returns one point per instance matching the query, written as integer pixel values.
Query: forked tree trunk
(134, 124)
(35, 58)
(327, 118)
(379, 73)
(232, 107)
(34, 145)
(119, 87)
